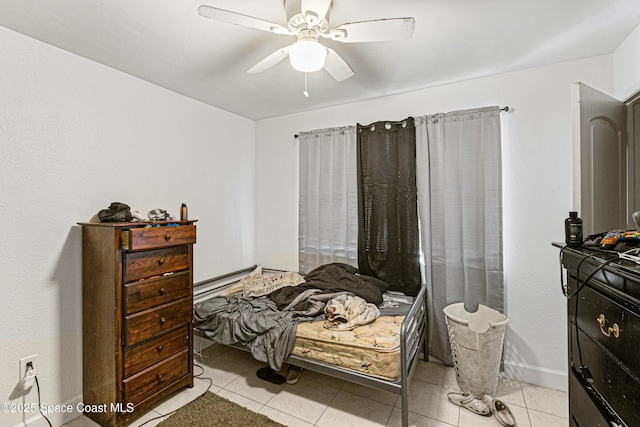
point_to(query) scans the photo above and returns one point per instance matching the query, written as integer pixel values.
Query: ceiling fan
(308, 20)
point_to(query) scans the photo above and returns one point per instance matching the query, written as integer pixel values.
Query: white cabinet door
(600, 153)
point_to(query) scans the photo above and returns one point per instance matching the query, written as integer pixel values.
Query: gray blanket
(256, 322)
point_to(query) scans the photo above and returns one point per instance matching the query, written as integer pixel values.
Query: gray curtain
(459, 178)
(328, 206)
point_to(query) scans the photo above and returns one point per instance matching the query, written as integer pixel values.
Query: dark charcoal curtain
(388, 235)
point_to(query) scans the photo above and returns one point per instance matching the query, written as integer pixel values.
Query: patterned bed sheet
(373, 349)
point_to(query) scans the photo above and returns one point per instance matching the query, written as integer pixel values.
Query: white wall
(536, 141)
(626, 66)
(74, 137)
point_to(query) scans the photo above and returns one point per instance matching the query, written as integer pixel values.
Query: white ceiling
(167, 43)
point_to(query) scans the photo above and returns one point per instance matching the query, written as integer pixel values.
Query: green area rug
(213, 410)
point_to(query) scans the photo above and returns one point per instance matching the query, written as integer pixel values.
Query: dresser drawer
(138, 265)
(158, 290)
(611, 380)
(146, 324)
(136, 239)
(144, 355)
(585, 412)
(599, 316)
(156, 377)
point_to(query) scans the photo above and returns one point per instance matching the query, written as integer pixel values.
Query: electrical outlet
(23, 365)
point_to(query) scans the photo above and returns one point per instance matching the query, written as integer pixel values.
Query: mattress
(373, 349)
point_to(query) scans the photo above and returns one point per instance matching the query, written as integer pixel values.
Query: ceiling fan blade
(336, 66)
(270, 61)
(240, 19)
(374, 31)
(319, 7)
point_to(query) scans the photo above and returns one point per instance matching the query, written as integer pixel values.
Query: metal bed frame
(413, 333)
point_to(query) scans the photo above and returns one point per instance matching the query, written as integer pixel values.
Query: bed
(382, 354)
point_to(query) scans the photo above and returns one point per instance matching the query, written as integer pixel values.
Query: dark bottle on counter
(184, 213)
(573, 230)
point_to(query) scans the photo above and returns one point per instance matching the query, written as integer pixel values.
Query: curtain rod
(505, 109)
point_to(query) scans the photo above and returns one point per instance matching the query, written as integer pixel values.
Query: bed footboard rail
(413, 333)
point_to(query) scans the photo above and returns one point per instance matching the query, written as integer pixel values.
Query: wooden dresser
(604, 334)
(137, 301)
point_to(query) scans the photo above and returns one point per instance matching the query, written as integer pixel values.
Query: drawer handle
(162, 321)
(162, 291)
(159, 378)
(161, 261)
(160, 348)
(167, 237)
(602, 321)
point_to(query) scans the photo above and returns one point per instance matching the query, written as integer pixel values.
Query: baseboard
(57, 416)
(537, 375)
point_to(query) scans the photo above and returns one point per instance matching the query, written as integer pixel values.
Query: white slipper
(469, 401)
(500, 411)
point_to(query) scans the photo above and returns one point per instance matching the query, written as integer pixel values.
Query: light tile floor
(323, 401)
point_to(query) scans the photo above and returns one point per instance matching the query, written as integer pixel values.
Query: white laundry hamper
(476, 347)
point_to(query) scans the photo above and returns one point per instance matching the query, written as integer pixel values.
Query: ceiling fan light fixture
(308, 20)
(307, 55)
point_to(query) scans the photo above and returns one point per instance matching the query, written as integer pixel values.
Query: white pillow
(264, 284)
(239, 286)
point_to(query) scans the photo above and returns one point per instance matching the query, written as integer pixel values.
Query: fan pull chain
(305, 93)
